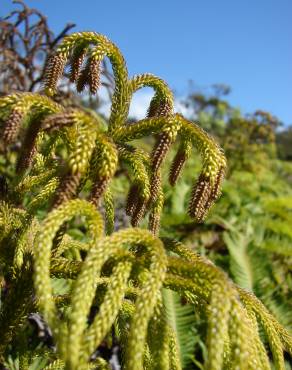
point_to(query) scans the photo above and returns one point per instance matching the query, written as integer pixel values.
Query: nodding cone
(82, 80)
(153, 107)
(76, 61)
(154, 223)
(98, 189)
(90, 75)
(138, 211)
(94, 70)
(132, 199)
(26, 157)
(57, 121)
(160, 150)
(67, 189)
(164, 108)
(136, 205)
(199, 198)
(155, 187)
(12, 126)
(177, 166)
(216, 189)
(159, 107)
(28, 148)
(53, 72)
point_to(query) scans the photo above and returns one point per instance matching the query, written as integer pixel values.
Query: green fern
(182, 320)
(241, 263)
(251, 269)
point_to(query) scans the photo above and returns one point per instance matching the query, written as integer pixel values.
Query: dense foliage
(146, 296)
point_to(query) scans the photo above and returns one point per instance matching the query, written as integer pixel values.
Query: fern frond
(240, 261)
(279, 245)
(181, 319)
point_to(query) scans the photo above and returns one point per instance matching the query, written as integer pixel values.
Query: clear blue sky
(246, 44)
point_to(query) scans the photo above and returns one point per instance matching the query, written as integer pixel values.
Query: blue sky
(246, 44)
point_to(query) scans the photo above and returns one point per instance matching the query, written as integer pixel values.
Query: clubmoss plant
(122, 273)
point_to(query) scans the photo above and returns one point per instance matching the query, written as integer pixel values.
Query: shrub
(53, 186)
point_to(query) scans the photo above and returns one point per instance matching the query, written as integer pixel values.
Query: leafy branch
(62, 173)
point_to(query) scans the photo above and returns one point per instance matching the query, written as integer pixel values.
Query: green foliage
(52, 229)
(181, 318)
(284, 139)
(248, 231)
